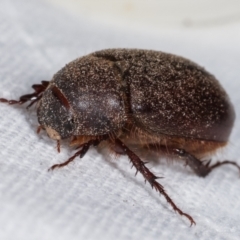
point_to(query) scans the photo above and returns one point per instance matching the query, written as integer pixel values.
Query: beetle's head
(55, 114)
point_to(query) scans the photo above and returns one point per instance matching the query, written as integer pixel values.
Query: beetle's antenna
(33, 97)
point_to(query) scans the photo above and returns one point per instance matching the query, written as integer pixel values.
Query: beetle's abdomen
(178, 98)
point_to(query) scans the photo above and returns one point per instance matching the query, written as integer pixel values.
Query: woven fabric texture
(98, 197)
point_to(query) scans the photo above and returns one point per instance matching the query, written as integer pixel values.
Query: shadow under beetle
(136, 99)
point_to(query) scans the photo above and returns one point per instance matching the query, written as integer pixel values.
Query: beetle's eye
(69, 125)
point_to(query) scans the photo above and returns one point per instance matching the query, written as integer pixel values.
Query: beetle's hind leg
(197, 165)
(33, 97)
(147, 174)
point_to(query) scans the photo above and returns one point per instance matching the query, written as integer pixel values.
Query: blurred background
(156, 14)
(98, 197)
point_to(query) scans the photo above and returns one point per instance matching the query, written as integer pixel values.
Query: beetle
(136, 99)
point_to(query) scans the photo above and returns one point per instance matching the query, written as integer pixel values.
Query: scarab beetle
(136, 99)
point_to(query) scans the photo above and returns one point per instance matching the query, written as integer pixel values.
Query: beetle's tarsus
(150, 177)
(84, 148)
(32, 97)
(199, 167)
(218, 164)
(66, 162)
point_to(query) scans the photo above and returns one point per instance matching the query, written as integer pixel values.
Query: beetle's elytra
(136, 99)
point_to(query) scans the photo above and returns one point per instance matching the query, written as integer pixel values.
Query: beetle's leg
(198, 166)
(84, 148)
(58, 146)
(78, 153)
(33, 97)
(148, 175)
(39, 128)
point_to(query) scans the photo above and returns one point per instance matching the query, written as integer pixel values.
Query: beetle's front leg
(32, 97)
(83, 150)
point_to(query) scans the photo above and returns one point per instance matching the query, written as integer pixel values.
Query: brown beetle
(136, 99)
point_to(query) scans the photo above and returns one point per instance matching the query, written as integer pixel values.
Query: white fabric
(98, 197)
